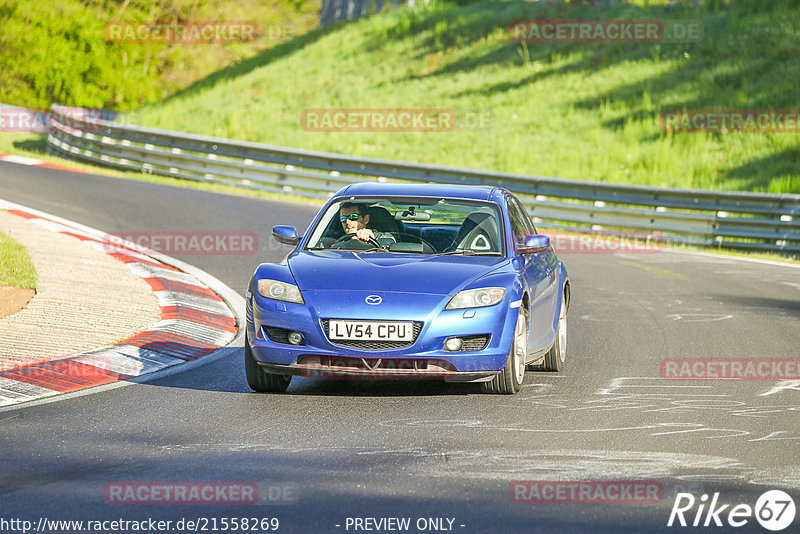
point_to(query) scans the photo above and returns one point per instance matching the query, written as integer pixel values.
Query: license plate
(371, 330)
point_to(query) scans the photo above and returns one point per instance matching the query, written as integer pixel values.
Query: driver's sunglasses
(352, 217)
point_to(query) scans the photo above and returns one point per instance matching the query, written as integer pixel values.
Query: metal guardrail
(340, 10)
(731, 219)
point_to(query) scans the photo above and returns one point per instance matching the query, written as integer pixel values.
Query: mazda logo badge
(374, 300)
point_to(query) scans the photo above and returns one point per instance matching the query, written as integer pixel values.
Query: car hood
(376, 271)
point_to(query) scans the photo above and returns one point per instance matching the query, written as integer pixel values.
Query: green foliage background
(583, 111)
(55, 50)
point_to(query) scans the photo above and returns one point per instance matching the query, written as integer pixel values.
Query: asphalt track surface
(425, 450)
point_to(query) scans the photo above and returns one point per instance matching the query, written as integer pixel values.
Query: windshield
(410, 225)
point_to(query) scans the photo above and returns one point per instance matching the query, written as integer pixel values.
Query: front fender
(509, 280)
(499, 276)
(272, 271)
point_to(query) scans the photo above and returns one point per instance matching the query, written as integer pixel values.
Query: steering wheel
(348, 238)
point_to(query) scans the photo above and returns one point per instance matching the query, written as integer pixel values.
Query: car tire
(260, 380)
(554, 359)
(509, 380)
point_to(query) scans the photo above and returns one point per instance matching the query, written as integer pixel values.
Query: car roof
(470, 192)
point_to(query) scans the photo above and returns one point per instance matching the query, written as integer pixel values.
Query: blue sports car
(410, 281)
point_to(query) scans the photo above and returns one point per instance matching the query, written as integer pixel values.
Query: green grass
(16, 267)
(583, 111)
(55, 51)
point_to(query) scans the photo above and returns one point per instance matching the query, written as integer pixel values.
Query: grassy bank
(59, 51)
(16, 267)
(585, 111)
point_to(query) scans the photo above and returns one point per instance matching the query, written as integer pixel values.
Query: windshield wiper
(373, 249)
(377, 249)
(468, 252)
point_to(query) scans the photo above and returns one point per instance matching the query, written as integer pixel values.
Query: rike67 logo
(774, 510)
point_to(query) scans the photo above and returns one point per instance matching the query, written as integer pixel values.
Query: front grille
(372, 345)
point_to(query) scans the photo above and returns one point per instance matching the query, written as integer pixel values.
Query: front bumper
(424, 358)
(350, 369)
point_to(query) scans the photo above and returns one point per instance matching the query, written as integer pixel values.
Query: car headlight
(477, 298)
(276, 290)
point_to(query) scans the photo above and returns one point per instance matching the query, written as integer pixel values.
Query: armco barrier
(730, 219)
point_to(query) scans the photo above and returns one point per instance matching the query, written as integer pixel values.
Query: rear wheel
(258, 379)
(509, 380)
(554, 359)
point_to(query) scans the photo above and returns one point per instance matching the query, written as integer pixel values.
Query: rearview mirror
(412, 216)
(286, 235)
(533, 244)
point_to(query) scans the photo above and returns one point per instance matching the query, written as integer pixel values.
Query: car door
(539, 272)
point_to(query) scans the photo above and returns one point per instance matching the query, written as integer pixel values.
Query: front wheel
(509, 380)
(257, 378)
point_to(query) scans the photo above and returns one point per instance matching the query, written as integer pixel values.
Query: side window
(519, 221)
(531, 229)
(528, 222)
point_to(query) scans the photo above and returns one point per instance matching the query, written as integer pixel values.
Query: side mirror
(534, 244)
(286, 235)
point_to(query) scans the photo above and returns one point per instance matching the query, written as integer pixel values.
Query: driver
(355, 218)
